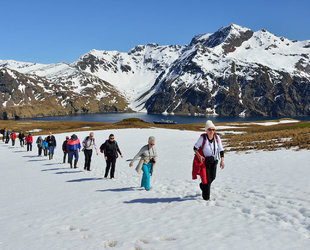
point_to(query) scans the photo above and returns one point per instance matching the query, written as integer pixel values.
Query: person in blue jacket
(73, 149)
(45, 146)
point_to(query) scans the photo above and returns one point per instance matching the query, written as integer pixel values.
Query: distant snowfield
(260, 200)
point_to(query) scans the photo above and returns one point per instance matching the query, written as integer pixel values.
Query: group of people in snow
(208, 152)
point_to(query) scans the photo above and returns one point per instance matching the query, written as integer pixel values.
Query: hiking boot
(70, 164)
(75, 164)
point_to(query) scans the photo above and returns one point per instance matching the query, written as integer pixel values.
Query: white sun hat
(209, 124)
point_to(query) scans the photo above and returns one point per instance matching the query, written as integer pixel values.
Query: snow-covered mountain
(233, 71)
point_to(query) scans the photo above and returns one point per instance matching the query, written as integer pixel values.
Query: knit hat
(151, 138)
(209, 124)
(67, 137)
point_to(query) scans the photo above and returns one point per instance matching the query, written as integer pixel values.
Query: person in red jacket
(28, 141)
(13, 138)
(64, 149)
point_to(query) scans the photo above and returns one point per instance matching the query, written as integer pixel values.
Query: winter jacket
(45, 144)
(73, 145)
(110, 149)
(28, 139)
(64, 146)
(89, 143)
(21, 136)
(146, 155)
(51, 141)
(13, 136)
(39, 142)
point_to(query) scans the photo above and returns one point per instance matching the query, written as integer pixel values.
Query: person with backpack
(45, 146)
(28, 141)
(40, 145)
(7, 137)
(21, 138)
(207, 150)
(111, 150)
(51, 141)
(13, 138)
(148, 159)
(88, 145)
(64, 149)
(73, 149)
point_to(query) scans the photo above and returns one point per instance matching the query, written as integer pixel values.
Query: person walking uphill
(21, 138)
(13, 138)
(111, 150)
(40, 145)
(45, 146)
(88, 145)
(64, 149)
(207, 149)
(51, 141)
(73, 149)
(148, 158)
(28, 141)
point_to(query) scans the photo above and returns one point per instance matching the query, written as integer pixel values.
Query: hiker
(64, 149)
(111, 150)
(13, 138)
(73, 149)
(45, 146)
(40, 145)
(28, 141)
(207, 148)
(3, 131)
(148, 158)
(7, 137)
(88, 145)
(51, 141)
(21, 138)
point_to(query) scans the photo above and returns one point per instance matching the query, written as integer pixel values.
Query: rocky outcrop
(24, 96)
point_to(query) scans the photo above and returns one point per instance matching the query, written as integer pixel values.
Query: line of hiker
(208, 152)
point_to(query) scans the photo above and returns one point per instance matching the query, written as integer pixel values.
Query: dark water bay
(181, 119)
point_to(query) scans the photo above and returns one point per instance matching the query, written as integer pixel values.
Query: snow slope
(260, 200)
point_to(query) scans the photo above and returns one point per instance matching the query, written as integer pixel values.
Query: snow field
(260, 200)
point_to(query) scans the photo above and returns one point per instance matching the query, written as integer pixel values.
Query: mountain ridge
(233, 71)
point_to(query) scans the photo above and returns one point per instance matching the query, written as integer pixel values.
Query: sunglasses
(152, 144)
(111, 138)
(211, 129)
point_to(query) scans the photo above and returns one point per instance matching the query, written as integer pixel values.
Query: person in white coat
(148, 158)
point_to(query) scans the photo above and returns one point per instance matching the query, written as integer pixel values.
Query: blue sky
(60, 31)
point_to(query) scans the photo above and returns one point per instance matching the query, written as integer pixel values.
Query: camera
(152, 160)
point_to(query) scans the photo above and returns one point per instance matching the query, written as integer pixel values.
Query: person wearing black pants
(88, 145)
(110, 149)
(209, 150)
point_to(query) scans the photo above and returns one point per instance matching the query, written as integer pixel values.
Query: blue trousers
(145, 182)
(51, 150)
(74, 153)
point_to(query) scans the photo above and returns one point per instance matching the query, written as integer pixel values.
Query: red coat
(197, 165)
(28, 139)
(13, 136)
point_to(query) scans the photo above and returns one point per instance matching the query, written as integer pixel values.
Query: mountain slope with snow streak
(234, 71)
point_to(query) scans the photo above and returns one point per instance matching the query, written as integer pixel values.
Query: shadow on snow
(69, 172)
(163, 200)
(85, 179)
(118, 189)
